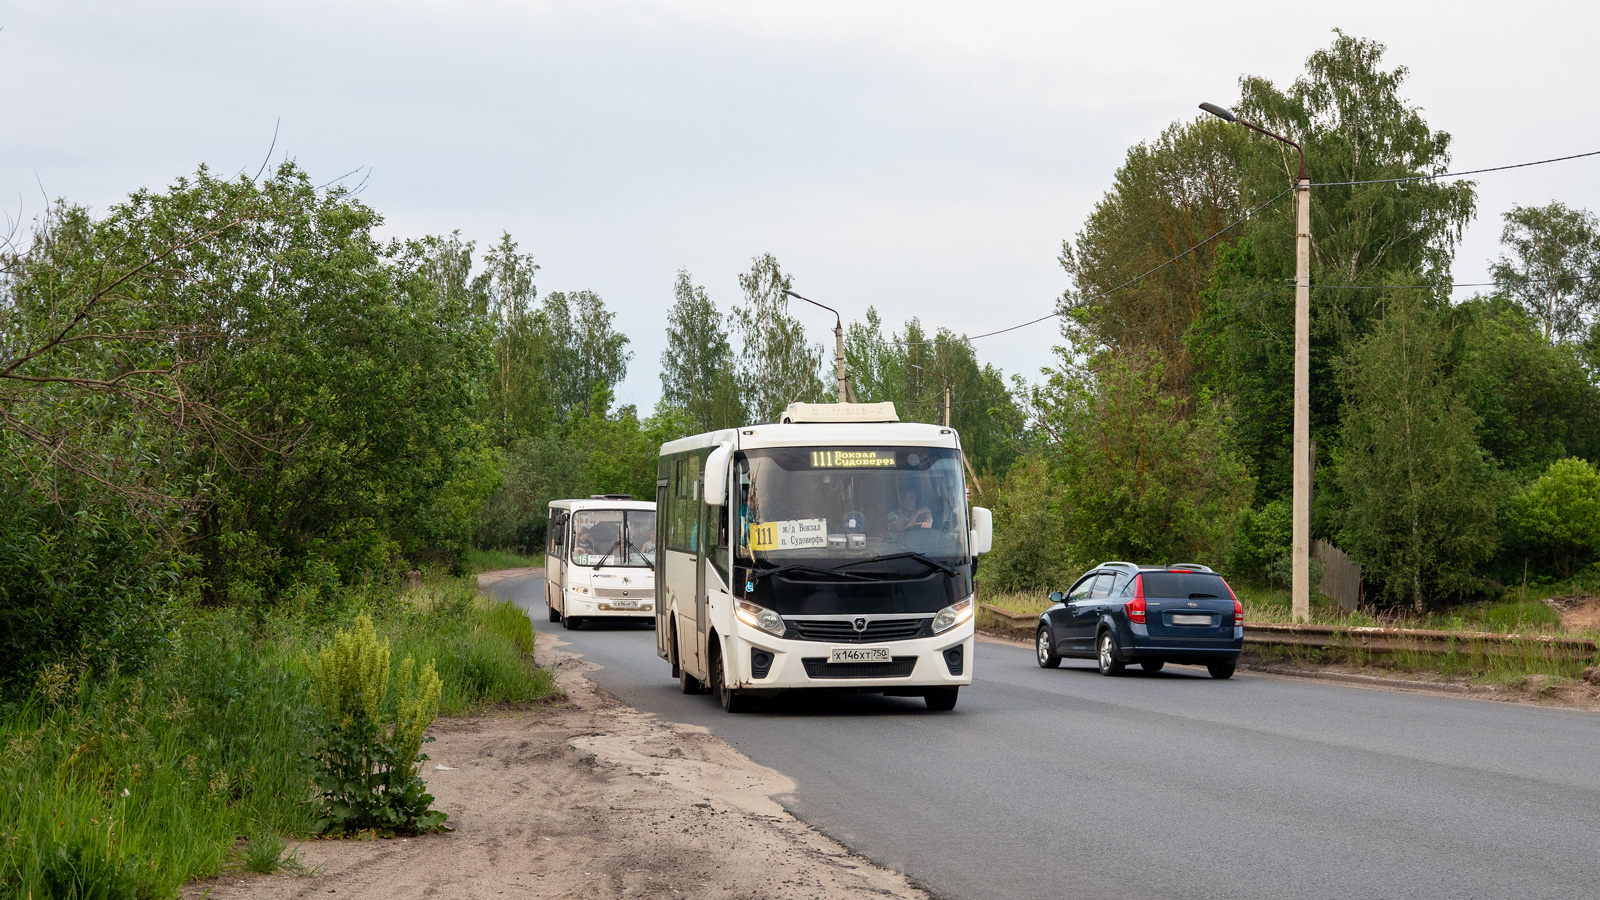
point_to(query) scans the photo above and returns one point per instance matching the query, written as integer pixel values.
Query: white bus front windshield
(614, 537)
(824, 506)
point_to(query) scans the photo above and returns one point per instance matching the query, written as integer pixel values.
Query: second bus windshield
(614, 537)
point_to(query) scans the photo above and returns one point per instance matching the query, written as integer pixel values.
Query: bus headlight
(760, 617)
(952, 615)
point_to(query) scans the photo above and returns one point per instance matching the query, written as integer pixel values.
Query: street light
(1300, 542)
(838, 339)
(946, 389)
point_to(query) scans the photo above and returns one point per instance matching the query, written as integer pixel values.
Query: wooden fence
(1341, 577)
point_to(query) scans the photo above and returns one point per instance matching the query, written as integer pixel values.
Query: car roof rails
(1190, 567)
(1115, 562)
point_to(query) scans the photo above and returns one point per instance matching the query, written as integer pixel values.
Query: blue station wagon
(1121, 613)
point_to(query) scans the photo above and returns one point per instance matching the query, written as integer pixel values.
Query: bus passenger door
(702, 615)
(663, 611)
(555, 566)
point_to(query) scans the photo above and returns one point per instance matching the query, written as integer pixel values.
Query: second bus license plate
(860, 655)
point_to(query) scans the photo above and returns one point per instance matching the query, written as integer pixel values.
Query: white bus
(597, 560)
(833, 550)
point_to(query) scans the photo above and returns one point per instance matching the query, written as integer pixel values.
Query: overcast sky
(927, 158)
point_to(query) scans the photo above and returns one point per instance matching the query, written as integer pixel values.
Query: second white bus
(599, 554)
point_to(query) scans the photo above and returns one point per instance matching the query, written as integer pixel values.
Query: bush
(370, 747)
(1558, 516)
(1260, 540)
(1031, 547)
(76, 579)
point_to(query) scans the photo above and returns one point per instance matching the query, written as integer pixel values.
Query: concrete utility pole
(1300, 540)
(946, 390)
(838, 340)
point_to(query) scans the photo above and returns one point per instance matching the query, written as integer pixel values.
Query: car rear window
(1182, 585)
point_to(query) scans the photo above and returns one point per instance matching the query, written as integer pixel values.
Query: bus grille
(638, 593)
(843, 630)
(819, 667)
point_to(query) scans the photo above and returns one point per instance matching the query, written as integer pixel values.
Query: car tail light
(1135, 607)
(1238, 608)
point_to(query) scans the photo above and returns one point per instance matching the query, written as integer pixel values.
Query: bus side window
(717, 525)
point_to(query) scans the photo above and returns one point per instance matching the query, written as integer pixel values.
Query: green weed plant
(370, 755)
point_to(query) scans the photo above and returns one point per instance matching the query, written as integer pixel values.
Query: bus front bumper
(590, 608)
(944, 660)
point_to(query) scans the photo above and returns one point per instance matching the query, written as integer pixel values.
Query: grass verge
(489, 560)
(127, 785)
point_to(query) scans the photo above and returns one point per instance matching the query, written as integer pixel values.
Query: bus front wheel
(731, 700)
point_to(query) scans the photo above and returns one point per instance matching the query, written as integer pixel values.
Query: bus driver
(909, 515)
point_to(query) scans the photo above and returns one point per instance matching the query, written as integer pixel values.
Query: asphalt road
(1065, 784)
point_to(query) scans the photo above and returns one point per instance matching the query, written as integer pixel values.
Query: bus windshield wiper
(909, 554)
(607, 554)
(646, 559)
(818, 570)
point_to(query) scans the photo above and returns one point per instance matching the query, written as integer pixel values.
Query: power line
(1453, 286)
(1537, 162)
(1140, 277)
(1248, 215)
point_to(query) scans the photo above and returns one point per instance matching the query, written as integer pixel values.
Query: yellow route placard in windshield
(794, 534)
(851, 459)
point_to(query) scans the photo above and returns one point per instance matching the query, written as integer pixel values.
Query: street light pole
(838, 339)
(1300, 539)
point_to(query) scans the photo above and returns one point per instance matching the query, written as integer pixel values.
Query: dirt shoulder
(586, 799)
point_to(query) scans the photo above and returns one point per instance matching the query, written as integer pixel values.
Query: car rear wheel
(1046, 653)
(1221, 670)
(1152, 665)
(1107, 655)
(942, 699)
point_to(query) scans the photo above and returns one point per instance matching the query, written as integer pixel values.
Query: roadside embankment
(1551, 670)
(587, 798)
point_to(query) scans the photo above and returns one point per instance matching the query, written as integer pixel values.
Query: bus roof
(590, 503)
(792, 434)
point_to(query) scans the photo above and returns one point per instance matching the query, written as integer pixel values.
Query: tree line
(1455, 436)
(231, 392)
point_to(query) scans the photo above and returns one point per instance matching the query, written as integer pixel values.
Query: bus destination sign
(852, 459)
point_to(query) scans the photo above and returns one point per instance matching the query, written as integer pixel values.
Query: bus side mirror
(982, 530)
(716, 490)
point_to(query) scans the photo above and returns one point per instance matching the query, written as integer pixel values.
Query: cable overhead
(1454, 286)
(1137, 278)
(1537, 162)
(1248, 215)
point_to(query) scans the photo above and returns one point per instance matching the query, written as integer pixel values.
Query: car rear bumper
(1135, 643)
